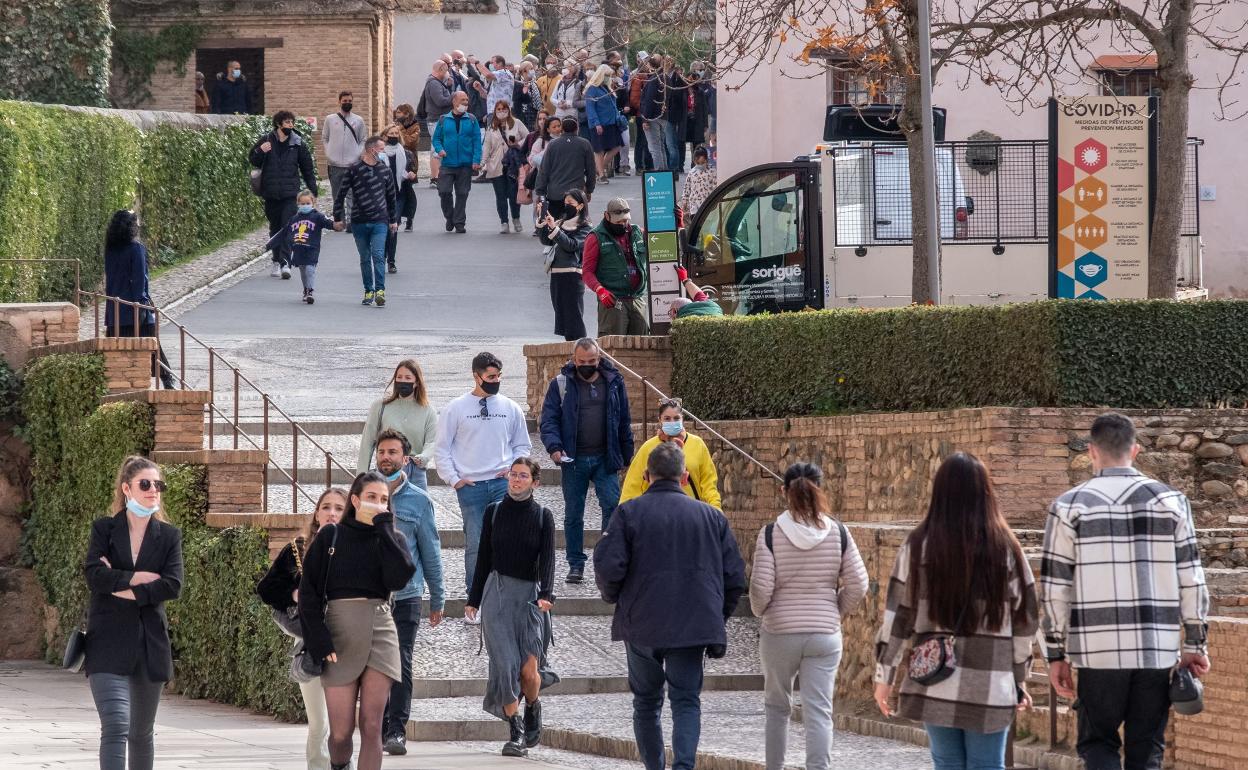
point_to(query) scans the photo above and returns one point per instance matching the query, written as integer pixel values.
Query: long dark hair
(123, 229)
(806, 500)
(960, 555)
(582, 216)
(357, 489)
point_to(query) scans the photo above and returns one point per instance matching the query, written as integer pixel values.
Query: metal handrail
(239, 380)
(645, 419)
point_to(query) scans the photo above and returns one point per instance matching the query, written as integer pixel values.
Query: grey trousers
(816, 657)
(335, 181)
(127, 709)
(454, 184)
(627, 317)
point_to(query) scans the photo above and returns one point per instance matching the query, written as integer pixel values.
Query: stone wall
(26, 325)
(650, 357)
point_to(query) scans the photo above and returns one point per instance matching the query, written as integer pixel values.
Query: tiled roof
(1126, 62)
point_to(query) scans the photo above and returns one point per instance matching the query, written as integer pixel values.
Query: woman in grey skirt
(512, 587)
(349, 572)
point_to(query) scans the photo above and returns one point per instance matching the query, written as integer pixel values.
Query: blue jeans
(577, 476)
(954, 749)
(399, 708)
(473, 500)
(672, 143)
(370, 242)
(680, 668)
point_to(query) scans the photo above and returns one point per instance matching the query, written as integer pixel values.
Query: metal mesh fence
(987, 192)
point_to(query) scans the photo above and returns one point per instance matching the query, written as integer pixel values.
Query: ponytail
(805, 497)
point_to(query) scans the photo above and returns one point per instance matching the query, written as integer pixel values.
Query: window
(848, 84)
(1127, 75)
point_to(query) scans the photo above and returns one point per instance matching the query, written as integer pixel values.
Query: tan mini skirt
(364, 637)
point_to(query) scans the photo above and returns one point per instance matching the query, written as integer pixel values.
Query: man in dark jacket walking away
(283, 159)
(587, 429)
(374, 215)
(567, 164)
(671, 567)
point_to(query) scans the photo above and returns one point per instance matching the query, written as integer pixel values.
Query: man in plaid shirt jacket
(1124, 600)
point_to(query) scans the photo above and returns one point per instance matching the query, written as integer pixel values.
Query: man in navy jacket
(671, 567)
(587, 429)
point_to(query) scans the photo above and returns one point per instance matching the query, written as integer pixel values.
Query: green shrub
(1145, 354)
(10, 393)
(190, 186)
(55, 51)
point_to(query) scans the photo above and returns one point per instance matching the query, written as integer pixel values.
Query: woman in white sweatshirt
(807, 575)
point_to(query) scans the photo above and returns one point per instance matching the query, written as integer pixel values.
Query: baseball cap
(642, 56)
(617, 207)
(1187, 694)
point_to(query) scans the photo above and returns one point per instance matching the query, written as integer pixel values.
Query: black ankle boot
(515, 746)
(532, 723)
(343, 766)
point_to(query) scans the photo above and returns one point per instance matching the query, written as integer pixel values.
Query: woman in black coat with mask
(565, 240)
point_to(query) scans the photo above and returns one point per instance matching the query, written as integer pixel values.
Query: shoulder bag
(303, 668)
(76, 647)
(934, 658)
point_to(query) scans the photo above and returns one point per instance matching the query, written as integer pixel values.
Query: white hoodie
(804, 536)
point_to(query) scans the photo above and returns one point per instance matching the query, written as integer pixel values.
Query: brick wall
(650, 357)
(1216, 738)
(235, 476)
(178, 416)
(27, 325)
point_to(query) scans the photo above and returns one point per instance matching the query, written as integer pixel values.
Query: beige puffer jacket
(806, 586)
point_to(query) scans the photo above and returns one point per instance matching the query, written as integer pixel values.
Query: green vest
(612, 269)
(705, 307)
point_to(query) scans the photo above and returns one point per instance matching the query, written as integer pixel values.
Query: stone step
(423, 689)
(550, 476)
(320, 428)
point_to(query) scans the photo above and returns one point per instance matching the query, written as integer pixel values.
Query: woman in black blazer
(133, 566)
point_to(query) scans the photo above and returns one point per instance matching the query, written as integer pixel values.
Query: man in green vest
(614, 267)
(698, 303)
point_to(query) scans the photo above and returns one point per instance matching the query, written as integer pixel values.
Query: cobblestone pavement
(47, 720)
(732, 725)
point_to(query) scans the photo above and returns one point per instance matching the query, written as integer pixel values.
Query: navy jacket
(231, 97)
(671, 567)
(303, 235)
(559, 418)
(653, 104)
(125, 276)
(120, 630)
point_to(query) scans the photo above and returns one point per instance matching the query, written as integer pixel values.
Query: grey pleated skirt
(511, 625)
(364, 637)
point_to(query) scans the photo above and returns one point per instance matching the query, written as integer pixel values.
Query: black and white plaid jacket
(1121, 574)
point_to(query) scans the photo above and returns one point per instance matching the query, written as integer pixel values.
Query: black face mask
(490, 388)
(405, 389)
(586, 371)
(392, 140)
(346, 106)
(616, 228)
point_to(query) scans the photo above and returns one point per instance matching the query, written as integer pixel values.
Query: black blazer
(119, 630)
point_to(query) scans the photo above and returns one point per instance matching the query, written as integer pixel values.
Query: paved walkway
(47, 720)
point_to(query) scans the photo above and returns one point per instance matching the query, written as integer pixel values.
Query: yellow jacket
(702, 476)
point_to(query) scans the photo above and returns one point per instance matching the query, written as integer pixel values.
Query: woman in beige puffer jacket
(807, 575)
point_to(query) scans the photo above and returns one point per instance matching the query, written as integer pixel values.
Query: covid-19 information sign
(1101, 183)
(659, 200)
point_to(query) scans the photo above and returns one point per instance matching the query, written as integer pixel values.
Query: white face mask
(460, 109)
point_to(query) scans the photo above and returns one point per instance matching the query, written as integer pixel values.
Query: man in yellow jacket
(703, 480)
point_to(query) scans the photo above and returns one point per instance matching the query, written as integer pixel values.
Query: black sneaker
(515, 746)
(308, 298)
(532, 723)
(575, 575)
(460, 229)
(391, 268)
(449, 225)
(396, 745)
(408, 227)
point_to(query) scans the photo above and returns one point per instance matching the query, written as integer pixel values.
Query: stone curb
(423, 689)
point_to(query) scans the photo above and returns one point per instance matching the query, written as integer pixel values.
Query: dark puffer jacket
(283, 165)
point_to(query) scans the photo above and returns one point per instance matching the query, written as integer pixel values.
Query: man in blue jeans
(671, 567)
(479, 435)
(414, 517)
(374, 214)
(587, 429)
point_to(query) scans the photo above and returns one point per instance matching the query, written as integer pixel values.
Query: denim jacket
(414, 517)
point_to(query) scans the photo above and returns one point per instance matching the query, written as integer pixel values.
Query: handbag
(303, 667)
(934, 659)
(257, 182)
(524, 195)
(75, 650)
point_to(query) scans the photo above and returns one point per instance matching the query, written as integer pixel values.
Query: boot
(515, 746)
(343, 766)
(532, 723)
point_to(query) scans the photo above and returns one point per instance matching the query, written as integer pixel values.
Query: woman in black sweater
(279, 588)
(512, 586)
(349, 572)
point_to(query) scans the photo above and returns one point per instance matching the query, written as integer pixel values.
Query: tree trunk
(545, 38)
(921, 229)
(614, 29)
(1176, 86)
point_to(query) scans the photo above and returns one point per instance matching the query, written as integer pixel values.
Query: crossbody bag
(303, 668)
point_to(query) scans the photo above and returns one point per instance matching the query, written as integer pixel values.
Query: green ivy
(1146, 354)
(66, 172)
(10, 393)
(55, 51)
(137, 53)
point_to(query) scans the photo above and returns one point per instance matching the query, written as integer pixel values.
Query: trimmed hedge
(225, 645)
(66, 172)
(1145, 354)
(55, 51)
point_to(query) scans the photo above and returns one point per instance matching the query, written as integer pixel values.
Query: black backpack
(768, 536)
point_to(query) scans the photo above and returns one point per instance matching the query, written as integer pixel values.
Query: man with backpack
(343, 133)
(435, 101)
(285, 166)
(586, 428)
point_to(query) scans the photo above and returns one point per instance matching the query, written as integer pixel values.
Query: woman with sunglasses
(514, 581)
(349, 572)
(703, 480)
(279, 588)
(405, 408)
(133, 566)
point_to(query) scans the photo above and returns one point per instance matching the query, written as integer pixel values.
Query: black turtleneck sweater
(369, 561)
(517, 540)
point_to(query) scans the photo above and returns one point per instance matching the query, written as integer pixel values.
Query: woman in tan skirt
(349, 572)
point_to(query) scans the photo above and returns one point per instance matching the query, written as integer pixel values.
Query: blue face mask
(306, 208)
(140, 511)
(236, 73)
(674, 428)
(393, 477)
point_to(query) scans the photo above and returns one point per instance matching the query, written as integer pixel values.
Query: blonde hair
(601, 75)
(130, 467)
(386, 131)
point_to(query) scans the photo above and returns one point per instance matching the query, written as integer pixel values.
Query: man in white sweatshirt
(479, 435)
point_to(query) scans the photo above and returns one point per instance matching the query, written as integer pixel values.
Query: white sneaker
(504, 229)
(473, 621)
(285, 273)
(276, 272)
(515, 225)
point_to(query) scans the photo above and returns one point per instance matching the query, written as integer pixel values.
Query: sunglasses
(620, 212)
(147, 484)
(485, 410)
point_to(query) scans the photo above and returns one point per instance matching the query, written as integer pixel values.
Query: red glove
(605, 297)
(682, 274)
